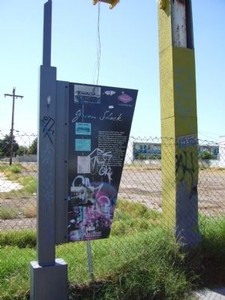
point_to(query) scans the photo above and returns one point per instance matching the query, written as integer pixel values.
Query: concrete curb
(215, 294)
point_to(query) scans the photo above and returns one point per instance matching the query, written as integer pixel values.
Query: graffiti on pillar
(46, 181)
(47, 124)
(187, 164)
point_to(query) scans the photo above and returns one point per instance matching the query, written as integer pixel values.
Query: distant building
(142, 150)
(150, 150)
(222, 151)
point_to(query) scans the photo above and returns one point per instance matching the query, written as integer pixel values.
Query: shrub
(15, 169)
(7, 213)
(206, 155)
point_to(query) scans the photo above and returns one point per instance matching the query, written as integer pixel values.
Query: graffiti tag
(48, 127)
(100, 163)
(185, 166)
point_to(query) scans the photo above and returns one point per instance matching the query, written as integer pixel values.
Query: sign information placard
(100, 120)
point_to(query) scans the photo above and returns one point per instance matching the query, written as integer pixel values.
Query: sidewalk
(215, 294)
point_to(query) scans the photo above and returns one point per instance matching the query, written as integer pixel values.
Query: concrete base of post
(49, 282)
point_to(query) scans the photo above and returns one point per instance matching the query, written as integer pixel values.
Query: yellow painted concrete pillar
(178, 120)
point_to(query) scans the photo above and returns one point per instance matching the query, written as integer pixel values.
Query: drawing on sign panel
(82, 193)
(100, 163)
(91, 210)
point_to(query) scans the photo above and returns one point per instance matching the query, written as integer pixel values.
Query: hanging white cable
(96, 72)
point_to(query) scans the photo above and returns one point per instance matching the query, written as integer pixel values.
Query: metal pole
(90, 261)
(48, 274)
(14, 96)
(47, 34)
(46, 150)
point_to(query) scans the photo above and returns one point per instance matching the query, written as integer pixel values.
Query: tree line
(5, 146)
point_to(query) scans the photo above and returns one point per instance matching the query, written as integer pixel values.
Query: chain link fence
(139, 205)
(18, 181)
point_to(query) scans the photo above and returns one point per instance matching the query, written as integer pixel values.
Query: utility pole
(14, 96)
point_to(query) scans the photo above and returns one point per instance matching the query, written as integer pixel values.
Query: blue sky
(129, 57)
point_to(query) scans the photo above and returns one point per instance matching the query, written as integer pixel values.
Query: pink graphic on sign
(125, 98)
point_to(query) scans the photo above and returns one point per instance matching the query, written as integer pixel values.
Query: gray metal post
(46, 168)
(48, 275)
(47, 36)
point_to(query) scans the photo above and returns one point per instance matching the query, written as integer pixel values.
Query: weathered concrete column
(178, 120)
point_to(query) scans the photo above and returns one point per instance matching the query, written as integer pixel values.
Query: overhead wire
(96, 73)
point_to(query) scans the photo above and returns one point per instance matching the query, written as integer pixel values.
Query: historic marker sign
(100, 119)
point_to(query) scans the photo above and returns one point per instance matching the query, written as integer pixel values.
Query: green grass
(7, 213)
(3, 167)
(14, 276)
(212, 250)
(138, 262)
(29, 184)
(126, 265)
(130, 217)
(12, 172)
(20, 239)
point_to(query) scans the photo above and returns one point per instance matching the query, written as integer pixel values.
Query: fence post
(178, 120)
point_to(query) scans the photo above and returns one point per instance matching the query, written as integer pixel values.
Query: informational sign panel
(100, 119)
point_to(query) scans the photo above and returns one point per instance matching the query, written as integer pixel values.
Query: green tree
(5, 146)
(206, 155)
(22, 150)
(1, 149)
(33, 147)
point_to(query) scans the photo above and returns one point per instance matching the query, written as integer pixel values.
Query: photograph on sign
(87, 94)
(83, 128)
(83, 165)
(100, 120)
(82, 145)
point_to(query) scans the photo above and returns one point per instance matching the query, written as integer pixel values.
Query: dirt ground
(146, 186)
(139, 185)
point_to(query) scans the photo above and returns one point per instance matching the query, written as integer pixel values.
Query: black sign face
(100, 119)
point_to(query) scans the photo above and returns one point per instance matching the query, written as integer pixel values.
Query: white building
(222, 151)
